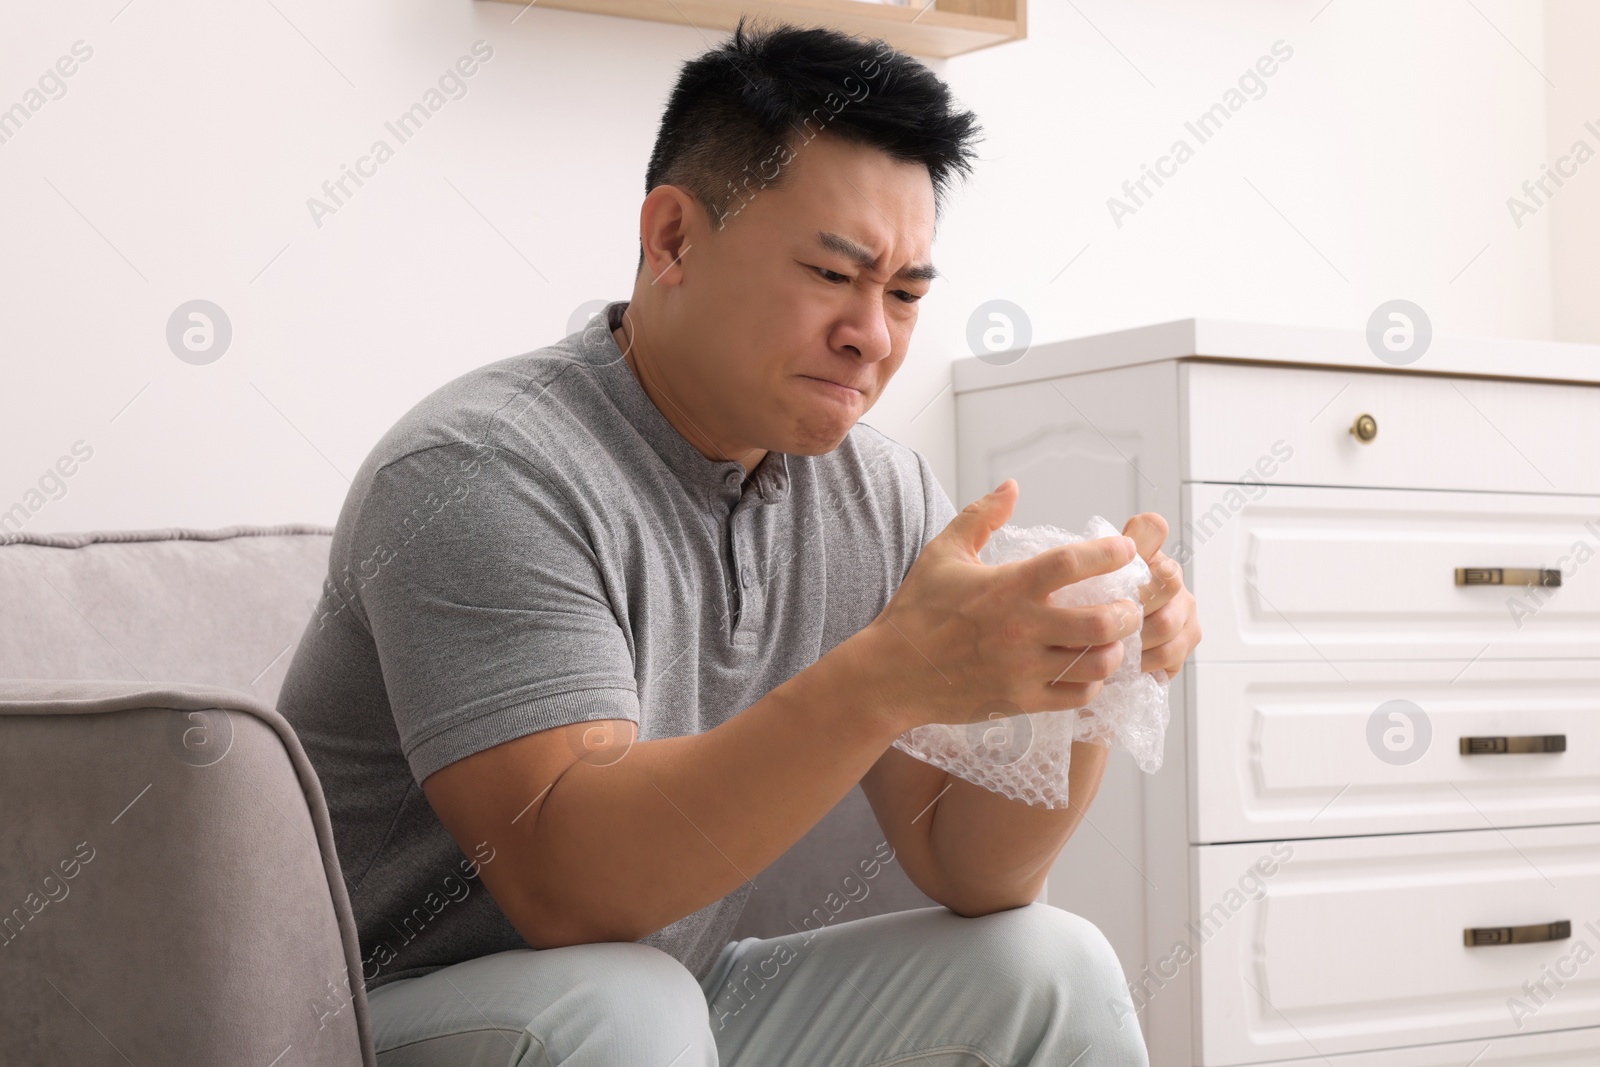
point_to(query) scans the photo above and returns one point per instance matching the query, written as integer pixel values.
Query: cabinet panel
(1090, 444)
(1289, 750)
(1358, 943)
(1432, 432)
(1324, 574)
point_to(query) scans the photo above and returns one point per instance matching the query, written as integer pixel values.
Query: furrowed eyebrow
(922, 272)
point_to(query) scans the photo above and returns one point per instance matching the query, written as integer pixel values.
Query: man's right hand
(961, 640)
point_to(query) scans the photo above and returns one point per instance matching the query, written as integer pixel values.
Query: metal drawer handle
(1550, 577)
(1559, 930)
(1491, 746)
(1365, 428)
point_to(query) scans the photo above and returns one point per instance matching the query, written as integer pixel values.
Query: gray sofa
(169, 889)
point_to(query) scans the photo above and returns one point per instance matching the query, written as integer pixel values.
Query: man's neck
(620, 334)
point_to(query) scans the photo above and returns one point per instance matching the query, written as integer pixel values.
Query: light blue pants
(1034, 985)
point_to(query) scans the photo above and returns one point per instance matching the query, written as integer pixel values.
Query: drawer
(1291, 425)
(1354, 944)
(1288, 750)
(1564, 1048)
(1328, 574)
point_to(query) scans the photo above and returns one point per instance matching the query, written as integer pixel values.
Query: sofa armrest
(205, 917)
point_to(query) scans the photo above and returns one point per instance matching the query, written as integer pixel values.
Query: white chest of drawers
(1337, 818)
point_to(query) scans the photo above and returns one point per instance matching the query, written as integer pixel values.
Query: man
(610, 625)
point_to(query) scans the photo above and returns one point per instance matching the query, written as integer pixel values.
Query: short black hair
(739, 111)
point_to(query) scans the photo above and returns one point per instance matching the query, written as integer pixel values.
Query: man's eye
(907, 298)
(830, 275)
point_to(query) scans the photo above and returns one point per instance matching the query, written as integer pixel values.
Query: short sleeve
(486, 603)
(937, 508)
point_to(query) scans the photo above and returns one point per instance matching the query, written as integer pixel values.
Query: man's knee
(656, 997)
(1066, 944)
(1064, 958)
(633, 1004)
(636, 974)
(1091, 989)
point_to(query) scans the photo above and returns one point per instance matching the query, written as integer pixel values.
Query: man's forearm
(679, 822)
(995, 852)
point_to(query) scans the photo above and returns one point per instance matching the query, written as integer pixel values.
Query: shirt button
(733, 479)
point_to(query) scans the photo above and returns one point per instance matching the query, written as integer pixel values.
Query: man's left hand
(1171, 627)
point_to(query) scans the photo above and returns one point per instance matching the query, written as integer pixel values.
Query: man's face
(773, 306)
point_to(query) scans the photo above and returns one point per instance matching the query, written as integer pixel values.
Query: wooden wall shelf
(946, 28)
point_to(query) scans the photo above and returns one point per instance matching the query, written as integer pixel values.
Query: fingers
(1096, 663)
(1148, 530)
(1065, 564)
(1162, 624)
(1077, 649)
(1166, 578)
(1076, 645)
(1074, 628)
(1177, 632)
(974, 523)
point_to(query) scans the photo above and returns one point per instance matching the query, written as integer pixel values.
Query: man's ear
(668, 219)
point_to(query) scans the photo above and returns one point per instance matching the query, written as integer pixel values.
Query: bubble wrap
(1027, 757)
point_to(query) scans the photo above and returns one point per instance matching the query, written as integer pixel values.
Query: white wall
(1572, 36)
(179, 161)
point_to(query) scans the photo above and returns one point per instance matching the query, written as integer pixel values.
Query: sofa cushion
(218, 607)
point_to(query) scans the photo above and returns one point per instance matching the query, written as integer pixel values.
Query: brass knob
(1365, 428)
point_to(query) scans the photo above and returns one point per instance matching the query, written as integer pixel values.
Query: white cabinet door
(1432, 432)
(1358, 943)
(1324, 575)
(1288, 750)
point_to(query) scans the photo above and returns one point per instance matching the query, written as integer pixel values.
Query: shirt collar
(718, 479)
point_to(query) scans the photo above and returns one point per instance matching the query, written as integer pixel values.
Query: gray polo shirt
(532, 545)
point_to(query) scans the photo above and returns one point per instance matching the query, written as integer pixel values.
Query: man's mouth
(837, 388)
